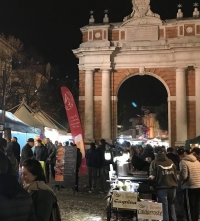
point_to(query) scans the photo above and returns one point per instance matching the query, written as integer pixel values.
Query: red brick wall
(190, 82)
(85, 36)
(191, 119)
(171, 32)
(97, 83)
(81, 83)
(113, 35)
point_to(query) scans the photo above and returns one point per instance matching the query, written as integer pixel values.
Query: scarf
(37, 185)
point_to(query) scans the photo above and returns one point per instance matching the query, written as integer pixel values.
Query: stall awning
(28, 117)
(11, 121)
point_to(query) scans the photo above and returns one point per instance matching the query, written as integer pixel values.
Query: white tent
(50, 127)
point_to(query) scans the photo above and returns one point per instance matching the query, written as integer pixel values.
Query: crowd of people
(174, 174)
(27, 196)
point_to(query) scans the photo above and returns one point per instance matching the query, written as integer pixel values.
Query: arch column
(197, 93)
(106, 106)
(181, 111)
(89, 105)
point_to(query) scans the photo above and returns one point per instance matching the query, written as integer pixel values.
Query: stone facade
(113, 52)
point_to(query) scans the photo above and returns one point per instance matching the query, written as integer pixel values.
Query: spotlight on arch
(134, 104)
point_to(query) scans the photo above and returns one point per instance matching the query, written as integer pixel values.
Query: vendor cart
(116, 198)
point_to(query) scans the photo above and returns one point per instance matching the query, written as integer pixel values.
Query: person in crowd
(173, 157)
(127, 146)
(163, 171)
(40, 152)
(12, 162)
(71, 144)
(67, 143)
(27, 152)
(34, 183)
(93, 163)
(14, 148)
(56, 144)
(15, 202)
(78, 164)
(179, 192)
(196, 152)
(50, 161)
(104, 164)
(136, 161)
(148, 152)
(141, 150)
(190, 176)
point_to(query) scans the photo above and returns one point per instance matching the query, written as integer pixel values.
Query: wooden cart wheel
(108, 210)
(108, 213)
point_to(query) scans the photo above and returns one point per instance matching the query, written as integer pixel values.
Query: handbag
(55, 212)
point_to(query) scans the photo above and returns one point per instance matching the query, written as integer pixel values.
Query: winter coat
(147, 153)
(92, 158)
(14, 167)
(190, 172)
(51, 153)
(27, 153)
(15, 202)
(43, 198)
(173, 157)
(14, 148)
(164, 171)
(138, 163)
(41, 153)
(103, 161)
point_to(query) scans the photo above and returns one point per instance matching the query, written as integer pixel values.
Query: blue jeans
(166, 197)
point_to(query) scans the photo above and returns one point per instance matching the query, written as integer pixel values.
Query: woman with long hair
(35, 183)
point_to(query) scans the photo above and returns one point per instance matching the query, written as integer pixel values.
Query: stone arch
(146, 73)
(166, 87)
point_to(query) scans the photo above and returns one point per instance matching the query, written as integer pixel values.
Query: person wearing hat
(27, 152)
(163, 171)
(190, 176)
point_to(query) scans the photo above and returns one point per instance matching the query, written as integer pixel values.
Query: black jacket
(41, 153)
(138, 163)
(27, 153)
(15, 202)
(14, 148)
(103, 161)
(93, 158)
(51, 152)
(43, 202)
(164, 171)
(173, 157)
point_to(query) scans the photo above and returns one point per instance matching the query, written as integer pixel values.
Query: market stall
(130, 192)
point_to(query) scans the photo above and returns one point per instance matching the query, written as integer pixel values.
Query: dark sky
(52, 28)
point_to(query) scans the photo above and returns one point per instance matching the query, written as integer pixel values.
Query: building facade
(142, 44)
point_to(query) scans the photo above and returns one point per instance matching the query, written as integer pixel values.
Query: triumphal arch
(142, 44)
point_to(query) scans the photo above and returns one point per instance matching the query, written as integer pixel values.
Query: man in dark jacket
(93, 163)
(173, 157)
(50, 162)
(14, 148)
(13, 167)
(27, 152)
(104, 149)
(163, 171)
(40, 152)
(15, 202)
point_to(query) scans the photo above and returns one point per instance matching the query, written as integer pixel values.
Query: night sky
(52, 28)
